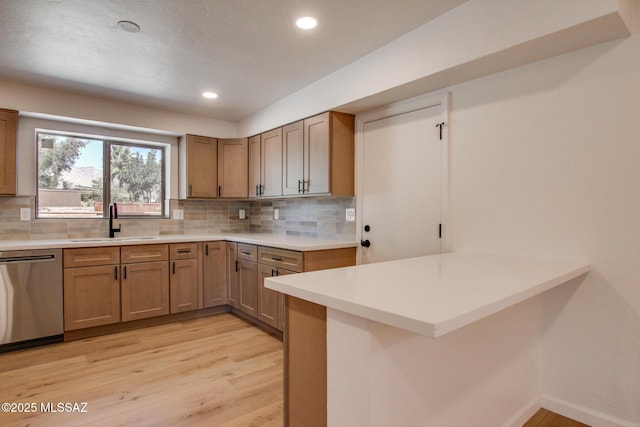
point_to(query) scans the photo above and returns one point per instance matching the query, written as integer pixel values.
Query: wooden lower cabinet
(214, 273)
(183, 290)
(145, 290)
(91, 296)
(267, 298)
(232, 274)
(247, 276)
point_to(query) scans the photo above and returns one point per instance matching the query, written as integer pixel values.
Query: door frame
(396, 109)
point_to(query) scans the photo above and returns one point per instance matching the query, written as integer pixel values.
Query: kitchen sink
(113, 239)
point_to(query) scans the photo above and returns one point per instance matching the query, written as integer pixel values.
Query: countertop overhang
(295, 243)
(431, 295)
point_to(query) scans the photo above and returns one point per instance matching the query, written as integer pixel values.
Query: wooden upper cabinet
(8, 135)
(271, 163)
(198, 167)
(292, 158)
(233, 158)
(255, 183)
(318, 155)
(265, 164)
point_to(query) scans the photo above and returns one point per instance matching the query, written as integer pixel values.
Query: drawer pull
(276, 258)
(184, 251)
(245, 252)
(206, 249)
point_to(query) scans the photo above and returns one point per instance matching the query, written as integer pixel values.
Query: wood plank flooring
(218, 370)
(544, 418)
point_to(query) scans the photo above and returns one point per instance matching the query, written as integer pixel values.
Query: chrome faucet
(113, 214)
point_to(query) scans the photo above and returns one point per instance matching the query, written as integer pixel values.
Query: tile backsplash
(310, 216)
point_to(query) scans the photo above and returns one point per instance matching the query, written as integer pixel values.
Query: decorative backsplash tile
(310, 216)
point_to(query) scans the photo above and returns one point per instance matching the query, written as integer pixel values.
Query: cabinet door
(145, 290)
(282, 300)
(255, 183)
(91, 296)
(202, 167)
(214, 273)
(8, 135)
(267, 298)
(233, 164)
(232, 274)
(272, 163)
(248, 287)
(292, 158)
(317, 151)
(184, 285)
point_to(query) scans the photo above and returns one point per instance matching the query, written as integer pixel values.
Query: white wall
(545, 162)
(46, 101)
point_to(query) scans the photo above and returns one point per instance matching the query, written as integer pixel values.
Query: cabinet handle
(276, 258)
(219, 191)
(236, 266)
(206, 249)
(305, 186)
(174, 268)
(115, 271)
(261, 190)
(245, 252)
(184, 251)
(125, 272)
(273, 273)
(190, 190)
(257, 190)
(300, 190)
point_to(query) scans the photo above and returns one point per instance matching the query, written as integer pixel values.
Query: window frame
(107, 142)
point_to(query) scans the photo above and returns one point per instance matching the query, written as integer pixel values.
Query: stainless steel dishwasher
(31, 304)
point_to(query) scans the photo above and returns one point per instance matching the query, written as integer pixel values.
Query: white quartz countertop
(430, 295)
(296, 243)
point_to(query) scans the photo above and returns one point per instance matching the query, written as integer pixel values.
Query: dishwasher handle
(27, 259)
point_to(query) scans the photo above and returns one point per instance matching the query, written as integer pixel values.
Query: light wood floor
(217, 370)
(544, 418)
(212, 371)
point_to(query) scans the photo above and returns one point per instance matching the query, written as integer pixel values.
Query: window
(79, 176)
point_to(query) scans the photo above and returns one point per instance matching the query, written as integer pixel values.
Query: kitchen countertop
(430, 295)
(296, 243)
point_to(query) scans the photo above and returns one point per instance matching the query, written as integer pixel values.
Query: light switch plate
(178, 214)
(276, 213)
(241, 214)
(25, 214)
(351, 214)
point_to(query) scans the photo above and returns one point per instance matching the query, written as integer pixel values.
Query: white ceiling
(249, 51)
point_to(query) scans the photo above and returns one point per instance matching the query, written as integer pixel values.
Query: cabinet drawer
(144, 253)
(183, 251)
(282, 258)
(85, 257)
(248, 252)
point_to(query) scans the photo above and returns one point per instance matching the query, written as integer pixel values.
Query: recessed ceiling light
(129, 26)
(307, 22)
(210, 95)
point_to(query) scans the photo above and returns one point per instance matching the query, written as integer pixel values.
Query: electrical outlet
(350, 214)
(276, 213)
(178, 214)
(241, 214)
(25, 214)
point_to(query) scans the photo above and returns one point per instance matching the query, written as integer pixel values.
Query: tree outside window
(77, 180)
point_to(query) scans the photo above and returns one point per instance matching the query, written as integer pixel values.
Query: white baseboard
(523, 415)
(580, 413)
